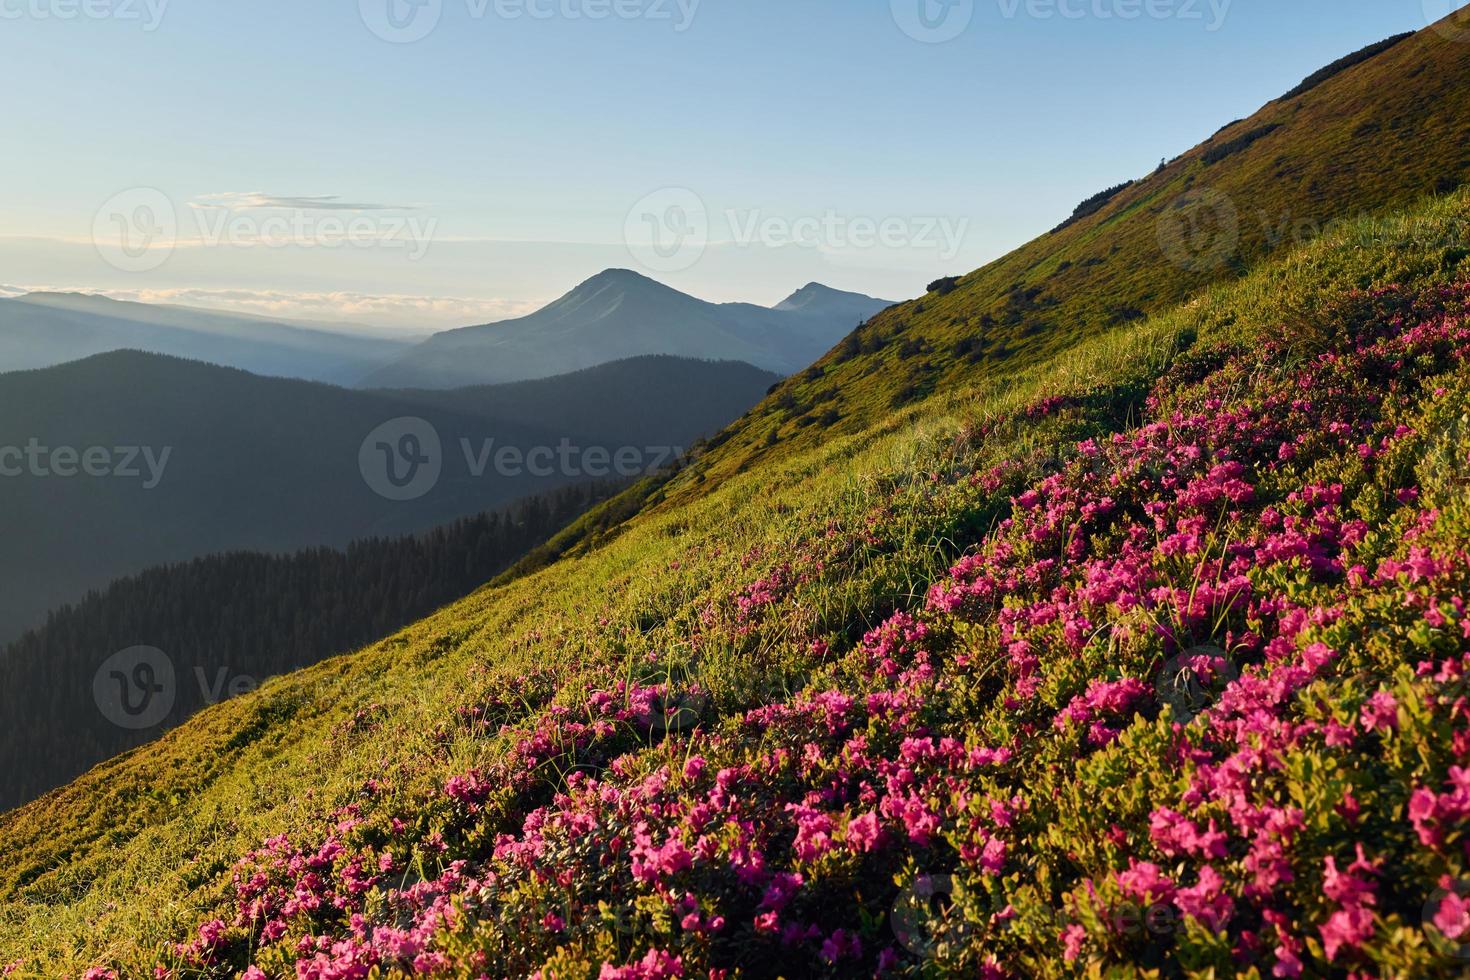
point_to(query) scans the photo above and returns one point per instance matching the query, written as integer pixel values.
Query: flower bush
(1195, 704)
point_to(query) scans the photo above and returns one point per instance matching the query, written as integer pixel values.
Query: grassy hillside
(1372, 137)
(762, 590)
(1132, 620)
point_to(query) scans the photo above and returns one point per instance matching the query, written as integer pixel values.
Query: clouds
(393, 313)
(258, 201)
(382, 310)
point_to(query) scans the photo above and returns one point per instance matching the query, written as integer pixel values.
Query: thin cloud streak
(403, 314)
(258, 201)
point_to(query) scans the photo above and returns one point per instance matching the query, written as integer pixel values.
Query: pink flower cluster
(1013, 733)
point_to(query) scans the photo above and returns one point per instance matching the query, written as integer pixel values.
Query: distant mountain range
(45, 329)
(224, 460)
(614, 316)
(620, 314)
(253, 442)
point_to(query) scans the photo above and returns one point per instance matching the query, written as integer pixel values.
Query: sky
(424, 164)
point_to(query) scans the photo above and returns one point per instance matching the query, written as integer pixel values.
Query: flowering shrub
(1285, 530)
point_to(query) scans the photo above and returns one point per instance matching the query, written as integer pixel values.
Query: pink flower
(864, 833)
(470, 788)
(1453, 916)
(842, 945)
(1381, 712)
(1072, 939)
(1145, 883)
(1349, 887)
(1207, 901)
(1348, 928)
(655, 965)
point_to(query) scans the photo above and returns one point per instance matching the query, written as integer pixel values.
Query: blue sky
(499, 160)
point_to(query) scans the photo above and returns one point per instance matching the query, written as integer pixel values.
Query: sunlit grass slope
(1375, 136)
(642, 638)
(139, 852)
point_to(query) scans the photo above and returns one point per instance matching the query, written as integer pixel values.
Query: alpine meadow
(1101, 611)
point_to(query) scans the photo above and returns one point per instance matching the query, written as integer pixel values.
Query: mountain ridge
(618, 314)
(307, 487)
(46, 329)
(1359, 142)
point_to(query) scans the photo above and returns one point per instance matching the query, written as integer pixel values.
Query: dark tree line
(228, 621)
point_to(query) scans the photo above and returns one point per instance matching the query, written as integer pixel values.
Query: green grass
(136, 852)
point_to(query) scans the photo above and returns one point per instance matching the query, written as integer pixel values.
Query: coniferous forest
(226, 622)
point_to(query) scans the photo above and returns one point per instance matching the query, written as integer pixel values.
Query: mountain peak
(815, 296)
(619, 277)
